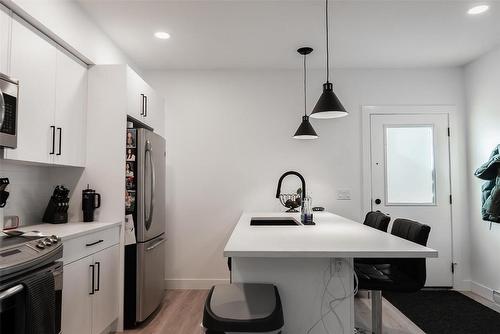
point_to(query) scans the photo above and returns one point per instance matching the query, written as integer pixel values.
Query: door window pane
(410, 174)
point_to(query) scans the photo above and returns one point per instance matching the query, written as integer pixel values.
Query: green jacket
(490, 171)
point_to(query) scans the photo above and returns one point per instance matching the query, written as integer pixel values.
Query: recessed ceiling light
(478, 9)
(162, 35)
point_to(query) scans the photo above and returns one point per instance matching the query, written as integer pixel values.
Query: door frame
(366, 185)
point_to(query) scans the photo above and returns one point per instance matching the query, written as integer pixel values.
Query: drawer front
(88, 244)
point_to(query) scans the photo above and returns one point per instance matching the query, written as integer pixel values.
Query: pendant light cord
(305, 87)
(327, 44)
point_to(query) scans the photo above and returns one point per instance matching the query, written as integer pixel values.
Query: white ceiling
(265, 34)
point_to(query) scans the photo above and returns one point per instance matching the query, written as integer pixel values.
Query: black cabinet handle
(53, 139)
(60, 139)
(93, 283)
(94, 243)
(146, 107)
(143, 111)
(98, 264)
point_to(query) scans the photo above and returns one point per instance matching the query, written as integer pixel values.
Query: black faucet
(278, 191)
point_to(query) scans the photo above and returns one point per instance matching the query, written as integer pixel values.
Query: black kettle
(90, 201)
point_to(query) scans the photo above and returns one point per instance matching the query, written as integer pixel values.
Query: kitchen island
(312, 265)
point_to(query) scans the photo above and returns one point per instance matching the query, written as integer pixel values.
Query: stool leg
(376, 312)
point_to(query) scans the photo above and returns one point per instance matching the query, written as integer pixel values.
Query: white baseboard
(464, 285)
(482, 290)
(193, 283)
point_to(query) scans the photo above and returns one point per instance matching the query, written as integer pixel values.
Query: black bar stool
(401, 275)
(243, 308)
(378, 220)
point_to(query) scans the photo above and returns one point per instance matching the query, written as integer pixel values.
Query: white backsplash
(31, 187)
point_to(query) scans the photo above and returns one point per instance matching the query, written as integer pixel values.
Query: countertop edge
(88, 229)
(323, 254)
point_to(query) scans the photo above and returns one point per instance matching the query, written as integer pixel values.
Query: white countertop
(332, 236)
(69, 230)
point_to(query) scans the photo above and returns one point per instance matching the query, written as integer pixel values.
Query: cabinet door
(33, 63)
(135, 90)
(105, 300)
(70, 116)
(77, 289)
(154, 111)
(5, 34)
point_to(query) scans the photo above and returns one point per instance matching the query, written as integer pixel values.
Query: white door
(77, 297)
(410, 167)
(105, 299)
(33, 63)
(70, 116)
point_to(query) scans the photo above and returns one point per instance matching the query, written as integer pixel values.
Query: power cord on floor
(334, 302)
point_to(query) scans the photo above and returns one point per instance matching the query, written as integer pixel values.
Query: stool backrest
(378, 220)
(418, 233)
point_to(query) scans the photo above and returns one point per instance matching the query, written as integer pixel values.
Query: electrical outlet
(343, 195)
(338, 266)
(496, 296)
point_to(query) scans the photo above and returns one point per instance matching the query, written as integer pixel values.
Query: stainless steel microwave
(9, 91)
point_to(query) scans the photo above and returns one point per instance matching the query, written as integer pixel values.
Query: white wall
(483, 119)
(229, 140)
(68, 22)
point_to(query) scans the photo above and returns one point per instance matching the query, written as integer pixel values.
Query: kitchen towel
(40, 304)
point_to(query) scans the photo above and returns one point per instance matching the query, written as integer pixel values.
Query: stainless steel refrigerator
(145, 261)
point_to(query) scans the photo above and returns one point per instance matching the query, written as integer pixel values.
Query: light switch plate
(343, 195)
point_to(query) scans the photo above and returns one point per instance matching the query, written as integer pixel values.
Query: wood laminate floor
(181, 313)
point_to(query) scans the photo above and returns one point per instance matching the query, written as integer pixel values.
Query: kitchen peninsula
(311, 265)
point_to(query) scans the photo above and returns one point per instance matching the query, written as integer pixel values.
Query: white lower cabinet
(90, 287)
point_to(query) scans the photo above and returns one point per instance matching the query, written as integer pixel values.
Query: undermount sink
(273, 221)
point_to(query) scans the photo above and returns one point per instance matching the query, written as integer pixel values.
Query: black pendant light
(328, 105)
(305, 130)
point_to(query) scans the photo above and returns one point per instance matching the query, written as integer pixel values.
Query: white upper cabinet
(70, 116)
(5, 33)
(136, 89)
(144, 104)
(52, 100)
(33, 63)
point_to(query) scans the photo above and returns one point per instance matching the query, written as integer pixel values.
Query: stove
(23, 258)
(21, 253)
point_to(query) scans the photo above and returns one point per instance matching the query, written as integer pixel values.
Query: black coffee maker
(90, 201)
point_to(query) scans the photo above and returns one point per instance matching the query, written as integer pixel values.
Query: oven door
(13, 301)
(12, 310)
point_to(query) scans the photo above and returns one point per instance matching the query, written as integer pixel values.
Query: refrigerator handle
(148, 220)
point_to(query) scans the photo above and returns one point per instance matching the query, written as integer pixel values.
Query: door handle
(378, 201)
(11, 291)
(2, 108)
(60, 139)
(148, 220)
(53, 139)
(156, 245)
(143, 104)
(94, 243)
(93, 282)
(98, 264)
(146, 106)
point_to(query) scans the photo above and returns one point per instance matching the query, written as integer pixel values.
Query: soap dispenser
(306, 216)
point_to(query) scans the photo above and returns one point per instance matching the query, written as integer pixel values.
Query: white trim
(193, 283)
(482, 290)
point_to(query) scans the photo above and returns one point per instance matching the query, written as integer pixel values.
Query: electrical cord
(334, 302)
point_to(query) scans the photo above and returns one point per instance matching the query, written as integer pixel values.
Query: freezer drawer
(150, 276)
